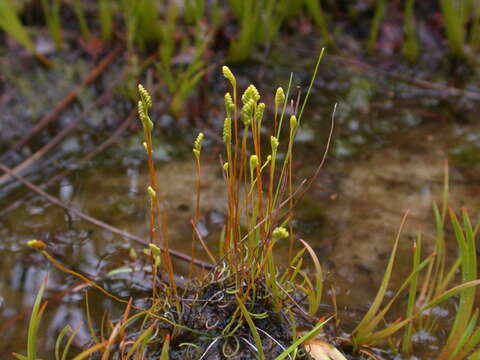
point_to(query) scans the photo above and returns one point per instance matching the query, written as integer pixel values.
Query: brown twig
(447, 91)
(92, 220)
(67, 100)
(102, 100)
(79, 163)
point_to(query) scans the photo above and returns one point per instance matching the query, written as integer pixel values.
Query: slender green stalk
(157, 217)
(366, 320)
(410, 47)
(194, 10)
(412, 294)
(249, 19)
(309, 335)
(315, 9)
(11, 24)
(375, 26)
(165, 348)
(106, 19)
(453, 12)
(51, 10)
(468, 254)
(82, 21)
(253, 329)
(35, 319)
(474, 40)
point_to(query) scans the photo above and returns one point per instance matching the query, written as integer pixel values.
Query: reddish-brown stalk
(196, 216)
(257, 149)
(159, 215)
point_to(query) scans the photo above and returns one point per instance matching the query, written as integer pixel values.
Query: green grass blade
(383, 287)
(473, 342)
(365, 336)
(388, 331)
(412, 294)
(253, 329)
(410, 46)
(375, 26)
(446, 191)
(165, 348)
(465, 336)
(315, 9)
(80, 14)
(317, 295)
(454, 27)
(466, 244)
(142, 339)
(52, 18)
(60, 337)
(309, 90)
(311, 334)
(35, 319)
(69, 343)
(19, 357)
(106, 21)
(87, 353)
(11, 24)
(449, 293)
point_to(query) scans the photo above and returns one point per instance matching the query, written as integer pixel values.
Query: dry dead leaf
(321, 350)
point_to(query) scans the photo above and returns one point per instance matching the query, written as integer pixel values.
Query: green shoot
(35, 319)
(410, 48)
(11, 24)
(51, 9)
(309, 335)
(454, 28)
(253, 329)
(165, 348)
(316, 11)
(375, 26)
(412, 294)
(82, 21)
(468, 255)
(362, 328)
(106, 19)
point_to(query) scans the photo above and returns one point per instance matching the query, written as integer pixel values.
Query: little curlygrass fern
(246, 279)
(247, 273)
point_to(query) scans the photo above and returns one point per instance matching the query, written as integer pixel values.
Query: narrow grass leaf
(60, 337)
(466, 335)
(142, 339)
(87, 353)
(11, 24)
(253, 328)
(383, 287)
(35, 319)
(165, 348)
(69, 342)
(318, 279)
(449, 293)
(466, 244)
(311, 334)
(406, 343)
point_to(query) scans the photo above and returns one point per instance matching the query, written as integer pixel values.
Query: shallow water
(387, 156)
